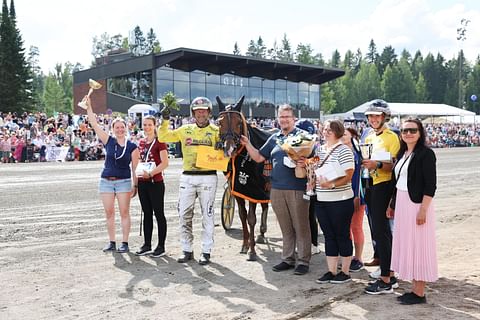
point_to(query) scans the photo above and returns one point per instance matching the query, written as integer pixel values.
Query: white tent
(401, 110)
(138, 111)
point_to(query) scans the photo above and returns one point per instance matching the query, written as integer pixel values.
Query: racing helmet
(377, 107)
(200, 103)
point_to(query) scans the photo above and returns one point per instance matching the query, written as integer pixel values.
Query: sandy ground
(51, 266)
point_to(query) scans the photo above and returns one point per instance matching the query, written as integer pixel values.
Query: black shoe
(379, 287)
(326, 278)
(403, 296)
(186, 256)
(110, 247)
(123, 248)
(204, 259)
(413, 299)
(355, 265)
(393, 282)
(301, 269)
(144, 250)
(282, 266)
(158, 252)
(341, 277)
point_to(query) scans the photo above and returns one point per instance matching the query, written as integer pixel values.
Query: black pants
(152, 200)
(335, 218)
(365, 183)
(313, 221)
(378, 198)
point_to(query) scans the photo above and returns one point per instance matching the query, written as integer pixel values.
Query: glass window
(227, 80)
(213, 78)
(197, 76)
(292, 86)
(255, 82)
(213, 90)
(268, 99)
(314, 102)
(270, 84)
(292, 97)
(280, 97)
(314, 88)
(227, 94)
(280, 84)
(303, 86)
(164, 86)
(165, 73)
(179, 75)
(197, 90)
(241, 91)
(303, 99)
(254, 96)
(182, 90)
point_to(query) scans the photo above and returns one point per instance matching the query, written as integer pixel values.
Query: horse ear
(238, 105)
(221, 105)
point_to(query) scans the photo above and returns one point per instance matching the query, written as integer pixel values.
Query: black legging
(377, 200)
(313, 221)
(152, 200)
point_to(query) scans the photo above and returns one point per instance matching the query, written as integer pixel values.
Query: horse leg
(242, 212)
(263, 224)
(252, 220)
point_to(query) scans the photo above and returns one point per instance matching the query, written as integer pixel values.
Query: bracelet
(379, 164)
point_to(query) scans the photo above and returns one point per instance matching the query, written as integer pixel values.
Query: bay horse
(248, 179)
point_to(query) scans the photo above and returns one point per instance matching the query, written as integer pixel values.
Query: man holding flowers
(286, 194)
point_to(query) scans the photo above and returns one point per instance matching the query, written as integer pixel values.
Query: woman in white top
(334, 205)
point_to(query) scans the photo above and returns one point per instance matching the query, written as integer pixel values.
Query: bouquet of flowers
(298, 145)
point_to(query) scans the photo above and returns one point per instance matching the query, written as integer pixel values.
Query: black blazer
(421, 176)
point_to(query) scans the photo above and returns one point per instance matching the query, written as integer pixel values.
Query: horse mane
(258, 136)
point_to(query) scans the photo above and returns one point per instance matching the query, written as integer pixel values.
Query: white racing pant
(204, 187)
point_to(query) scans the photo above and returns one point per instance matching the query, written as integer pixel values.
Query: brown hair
(118, 119)
(337, 127)
(149, 117)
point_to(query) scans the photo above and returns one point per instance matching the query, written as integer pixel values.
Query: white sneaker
(375, 274)
(315, 249)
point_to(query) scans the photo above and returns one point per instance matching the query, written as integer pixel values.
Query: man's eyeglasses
(409, 130)
(285, 117)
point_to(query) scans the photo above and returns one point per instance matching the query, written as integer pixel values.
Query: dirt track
(52, 229)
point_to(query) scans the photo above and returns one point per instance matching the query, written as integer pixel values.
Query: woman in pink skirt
(414, 255)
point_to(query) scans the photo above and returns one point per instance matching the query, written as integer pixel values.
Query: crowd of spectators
(27, 137)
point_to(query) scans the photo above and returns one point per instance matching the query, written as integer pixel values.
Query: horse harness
(231, 134)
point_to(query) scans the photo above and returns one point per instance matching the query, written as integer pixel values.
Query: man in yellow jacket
(194, 181)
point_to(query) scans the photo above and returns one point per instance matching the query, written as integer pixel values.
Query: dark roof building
(189, 73)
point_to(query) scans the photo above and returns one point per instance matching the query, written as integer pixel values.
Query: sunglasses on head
(409, 130)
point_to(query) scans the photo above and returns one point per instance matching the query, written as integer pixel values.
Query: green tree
(38, 78)
(327, 99)
(286, 49)
(274, 52)
(54, 96)
(152, 44)
(236, 49)
(15, 78)
(304, 53)
(473, 88)
(387, 58)
(372, 55)
(366, 84)
(421, 89)
(336, 60)
(139, 45)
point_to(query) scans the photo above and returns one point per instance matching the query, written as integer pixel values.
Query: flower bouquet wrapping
(299, 145)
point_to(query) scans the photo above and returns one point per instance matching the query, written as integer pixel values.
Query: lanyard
(401, 167)
(123, 152)
(149, 149)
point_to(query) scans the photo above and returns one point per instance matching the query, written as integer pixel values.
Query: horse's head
(232, 125)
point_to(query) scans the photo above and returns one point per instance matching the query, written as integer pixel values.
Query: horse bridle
(230, 134)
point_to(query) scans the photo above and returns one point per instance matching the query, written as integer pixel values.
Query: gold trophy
(94, 85)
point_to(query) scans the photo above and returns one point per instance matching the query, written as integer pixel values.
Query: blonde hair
(118, 119)
(150, 117)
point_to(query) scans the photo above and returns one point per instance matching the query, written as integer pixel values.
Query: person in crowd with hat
(118, 178)
(195, 182)
(377, 195)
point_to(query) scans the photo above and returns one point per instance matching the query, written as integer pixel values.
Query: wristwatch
(379, 164)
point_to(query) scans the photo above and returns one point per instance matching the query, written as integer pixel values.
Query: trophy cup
(366, 150)
(94, 85)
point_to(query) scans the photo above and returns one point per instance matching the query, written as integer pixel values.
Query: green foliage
(15, 78)
(170, 101)
(54, 96)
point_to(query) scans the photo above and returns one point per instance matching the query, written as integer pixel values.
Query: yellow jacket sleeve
(166, 135)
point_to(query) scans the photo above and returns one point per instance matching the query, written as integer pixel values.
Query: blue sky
(63, 29)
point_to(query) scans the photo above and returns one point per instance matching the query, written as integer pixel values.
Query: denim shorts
(115, 186)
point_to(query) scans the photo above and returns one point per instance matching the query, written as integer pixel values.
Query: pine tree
(372, 55)
(15, 79)
(236, 49)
